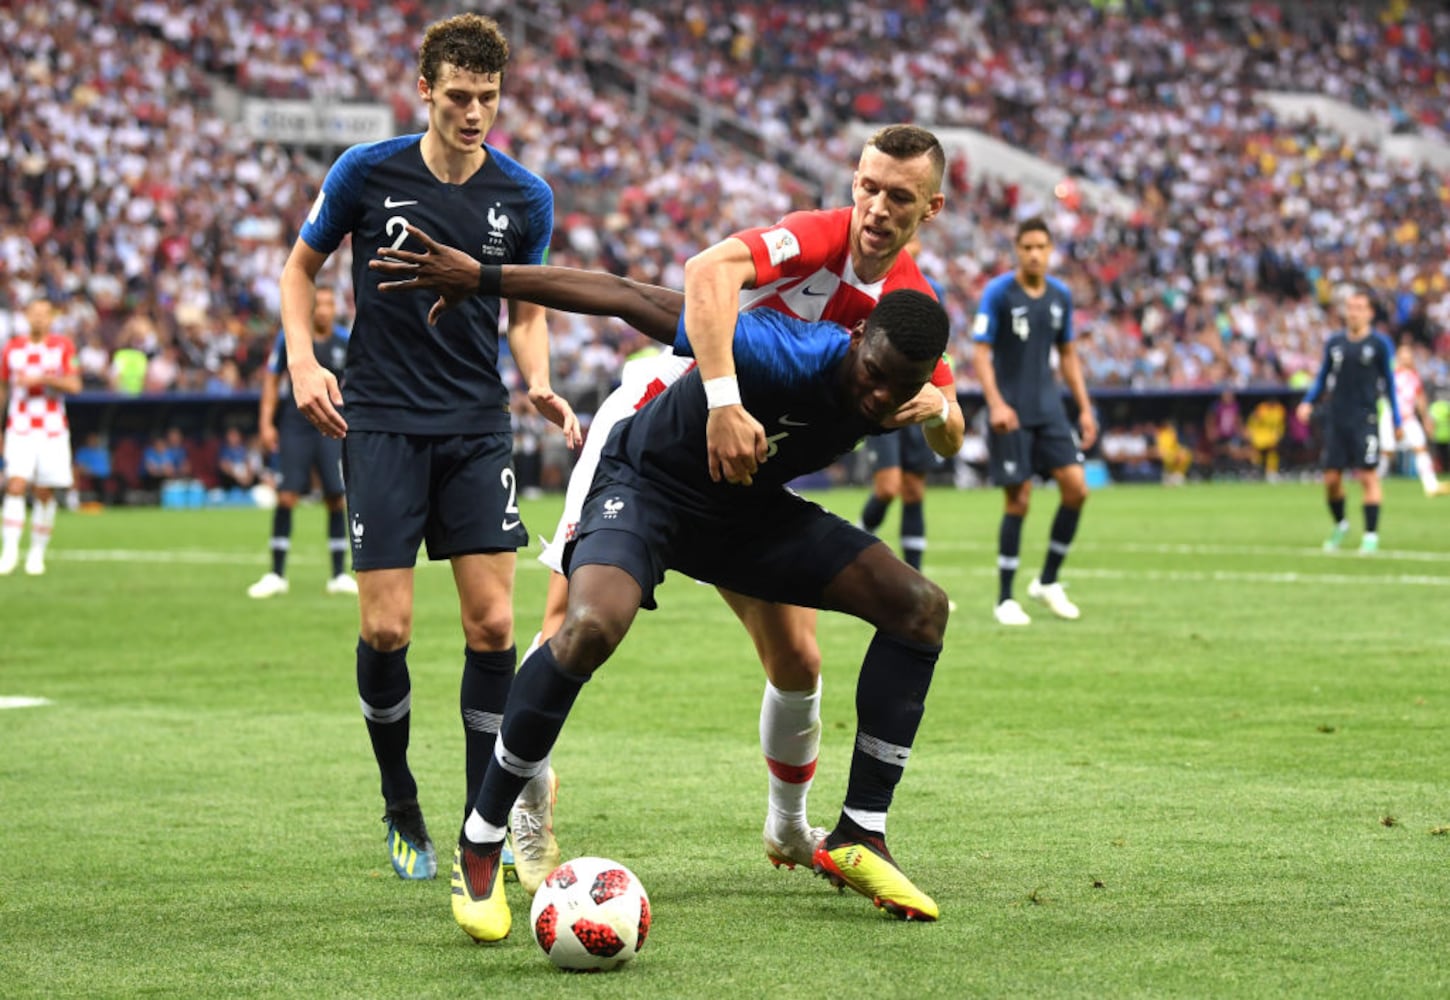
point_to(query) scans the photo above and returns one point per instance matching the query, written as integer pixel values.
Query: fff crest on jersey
(498, 226)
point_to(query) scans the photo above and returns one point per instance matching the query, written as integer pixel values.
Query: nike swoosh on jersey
(509, 525)
(786, 421)
(812, 292)
(388, 202)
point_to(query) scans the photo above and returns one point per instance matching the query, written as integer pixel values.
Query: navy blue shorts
(1017, 456)
(785, 550)
(904, 448)
(1352, 445)
(302, 448)
(456, 493)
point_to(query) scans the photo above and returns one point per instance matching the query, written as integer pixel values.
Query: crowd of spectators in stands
(161, 228)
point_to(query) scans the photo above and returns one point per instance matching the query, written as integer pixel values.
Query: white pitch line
(1187, 549)
(204, 557)
(22, 701)
(1223, 576)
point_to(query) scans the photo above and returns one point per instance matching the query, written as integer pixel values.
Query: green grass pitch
(1228, 779)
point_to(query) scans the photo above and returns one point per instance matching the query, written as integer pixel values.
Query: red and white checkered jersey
(39, 410)
(803, 269)
(1407, 389)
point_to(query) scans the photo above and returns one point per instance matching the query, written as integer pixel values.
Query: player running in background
(37, 371)
(1023, 315)
(659, 503)
(833, 265)
(427, 448)
(302, 448)
(900, 461)
(1414, 416)
(1356, 361)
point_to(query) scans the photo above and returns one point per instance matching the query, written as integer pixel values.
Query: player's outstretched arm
(940, 416)
(456, 277)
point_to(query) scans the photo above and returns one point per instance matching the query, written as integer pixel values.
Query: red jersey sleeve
(799, 244)
(942, 376)
(69, 363)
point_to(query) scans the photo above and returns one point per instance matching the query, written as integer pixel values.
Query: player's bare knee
(586, 639)
(386, 634)
(924, 619)
(489, 632)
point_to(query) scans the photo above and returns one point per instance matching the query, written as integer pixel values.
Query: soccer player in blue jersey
(302, 449)
(1358, 364)
(1024, 314)
(900, 462)
(657, 504)
(422, 410)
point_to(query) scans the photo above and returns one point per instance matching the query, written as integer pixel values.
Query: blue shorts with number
(786, 549)
(457, 493)
(904, 448)
(1353, 444)
(302, 448)
(1017, 456)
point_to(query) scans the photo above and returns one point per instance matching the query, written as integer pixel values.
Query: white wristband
(722, 391)
(946, 411)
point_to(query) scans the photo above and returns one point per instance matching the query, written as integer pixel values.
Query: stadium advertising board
(307, 123)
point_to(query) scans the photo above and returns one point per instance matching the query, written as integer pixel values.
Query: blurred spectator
(1265, 429)
(1223, 429)
(165, 460)
(1172, 454)
(239, 463)
(95, 479)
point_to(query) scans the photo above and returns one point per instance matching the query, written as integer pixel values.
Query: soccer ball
(590, 914)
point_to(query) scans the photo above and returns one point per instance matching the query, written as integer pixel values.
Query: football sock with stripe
(890, 699)
(281, 538)
(1064, 527)
(913, 533)
(12, 511)
(542, 696)
(42, 523)
(337, 540)
(874, 513)
(385, 692)
(790, 738)
(1009, 548)
(482, 694)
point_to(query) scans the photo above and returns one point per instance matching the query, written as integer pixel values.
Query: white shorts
(1414, 439)
(636, 386)
(39, 459)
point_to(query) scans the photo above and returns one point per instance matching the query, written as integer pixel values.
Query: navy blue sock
(890, 698)
(874, 513)
(281, 539)
(1064, 527)
(1009, 548)
(387, 700)
(482, 695)
(913, 533)
(1371, 518)
(542, 695)
(337, 539)
(1336, 510)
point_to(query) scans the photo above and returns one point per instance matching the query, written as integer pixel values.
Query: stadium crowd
(161, 227)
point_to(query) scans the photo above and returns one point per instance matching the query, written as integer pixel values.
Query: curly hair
(913, 322)
(469, 42)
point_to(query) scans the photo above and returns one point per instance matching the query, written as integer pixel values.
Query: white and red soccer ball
(590, 914)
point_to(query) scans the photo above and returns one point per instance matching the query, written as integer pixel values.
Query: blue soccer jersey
(788, 371)
(403, 374)
(331, 354)
(1023, 329)
(1354, 372)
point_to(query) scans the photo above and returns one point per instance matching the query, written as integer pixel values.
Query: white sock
(1426, 469)
(476, 831)
(42, 522)
(12, 522)
(790, 737)
(872, 822)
